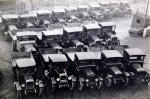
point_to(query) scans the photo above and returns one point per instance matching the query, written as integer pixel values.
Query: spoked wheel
(108, 81)
(80, 85)
(126, 79)
(72, 85)
(53, 88)
(99, 85)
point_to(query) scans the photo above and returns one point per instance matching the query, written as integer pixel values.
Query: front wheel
(80, 85)
(108, 81)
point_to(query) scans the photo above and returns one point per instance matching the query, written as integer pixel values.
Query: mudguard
(127, 74)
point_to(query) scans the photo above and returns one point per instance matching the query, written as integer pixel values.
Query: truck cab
(52, 38)
(112, 68)
(72, 37)
(92, 34)
(85, 67)
(134, 61)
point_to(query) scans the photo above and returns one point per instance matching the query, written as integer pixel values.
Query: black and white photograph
(74, 49)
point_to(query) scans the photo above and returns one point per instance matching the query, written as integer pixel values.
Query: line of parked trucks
(46, 58)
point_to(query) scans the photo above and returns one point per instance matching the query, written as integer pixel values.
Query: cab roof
(28, 15)
(10, 16)
(57, 10)
(71, 8)
(54, 57)
(104, 2)
(83, 6)
(94, 5)
(58, 57)
(25, 62)
(112, 54)
(73, 29)
(134, 52)
(44, 11)
(26, 33)
(92, 26)
(107, 24)
(87, 56)
(53, 32)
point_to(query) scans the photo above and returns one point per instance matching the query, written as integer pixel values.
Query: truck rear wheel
(108, 81)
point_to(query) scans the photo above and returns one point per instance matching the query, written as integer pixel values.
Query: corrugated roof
(112, 53)
(134, 51)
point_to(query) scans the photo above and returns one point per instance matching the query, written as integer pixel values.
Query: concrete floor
(136, 91)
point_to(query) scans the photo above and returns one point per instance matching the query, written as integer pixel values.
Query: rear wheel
(147, 77)
(108, 81)
(80, 85)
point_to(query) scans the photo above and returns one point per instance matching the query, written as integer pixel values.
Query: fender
(100, 78)
(127, 74)
(82, 79)
(18, 86)
(74, 79)
(109, 75)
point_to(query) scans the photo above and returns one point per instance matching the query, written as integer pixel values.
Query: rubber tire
(126, 81)
(108, 81)
(80, 85)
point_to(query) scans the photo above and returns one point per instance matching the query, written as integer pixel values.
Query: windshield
(137, 58)
(73, 34)
(52, 38)
(46, 16)
(26, 38)
(29, 85)
(93, 31)
(63, 77)
(114, 61)
(60, 65)
(60, 14)
(109, 28)
(87, 62)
